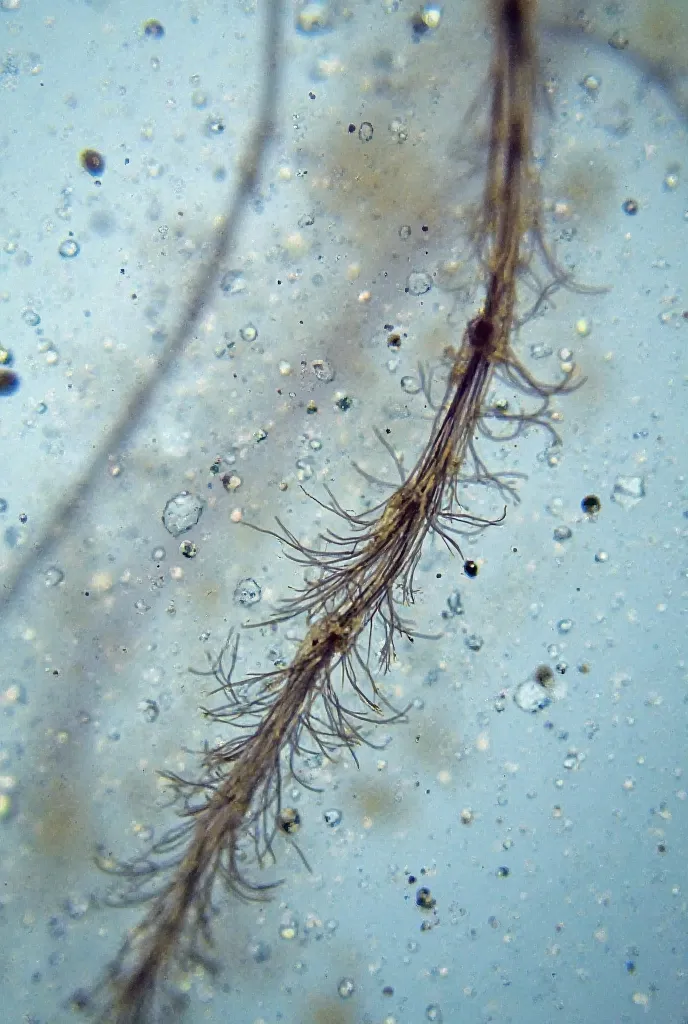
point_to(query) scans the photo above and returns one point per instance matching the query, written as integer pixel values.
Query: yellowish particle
(313, 17)
(329, 66)
(482, 742)
(296, 244)
(431, 16)
(12, 694)
(102, 582)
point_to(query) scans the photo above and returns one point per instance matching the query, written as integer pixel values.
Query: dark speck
(153, 29)
(9, 382)
(93, 162)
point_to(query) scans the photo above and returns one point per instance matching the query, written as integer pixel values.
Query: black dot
(471, 569)
(418, 27)
(9, 382)
(591, 504)
(153, 29)
(93, 162)
(631, 207)
(543, 675)
(352, 129)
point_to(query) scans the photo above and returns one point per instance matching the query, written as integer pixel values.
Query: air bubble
(332, 817)
(289, 927)
(77, 905)
(182, 512)
(150, 710)
(248, 332)
(628, 491)
(424, 898)
(30, 317)
(259, 951)
(215, 125)
(531, 696)
(69, 248)
(591, 505)
(418, 282)
(410, 385)
(592, 85)
(233, 282)
(313, 18)
(322, 370)
(289, 820)
(53, 576)
(399, 130)
(247, 592)
(618, 40)
(346, 988)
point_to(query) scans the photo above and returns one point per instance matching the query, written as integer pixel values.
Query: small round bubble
(248, 332)
(346, 988)
(69, 248)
